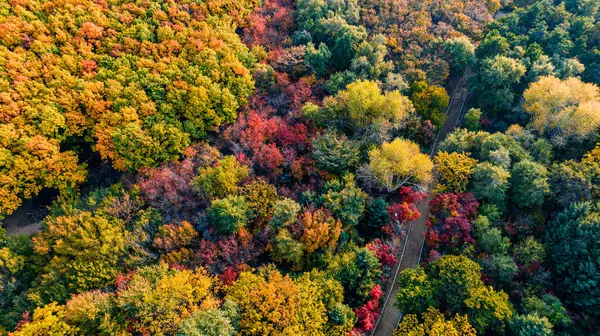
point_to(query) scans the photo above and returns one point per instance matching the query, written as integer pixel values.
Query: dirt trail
(413, 246)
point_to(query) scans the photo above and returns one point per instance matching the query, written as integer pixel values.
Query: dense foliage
(270, 157)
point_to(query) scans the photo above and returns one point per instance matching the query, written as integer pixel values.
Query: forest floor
(412, 248)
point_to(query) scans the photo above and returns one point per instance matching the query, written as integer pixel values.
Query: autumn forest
(300, 167)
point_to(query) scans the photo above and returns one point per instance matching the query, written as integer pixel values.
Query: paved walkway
(413, 246)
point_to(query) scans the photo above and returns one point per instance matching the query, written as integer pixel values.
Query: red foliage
(451, 204)
(384, 252)
(271, 25)
(25, 318)
(409, 195)
(450, 227)
(122, 280)
(403, 212)
(228, 252)
(228, 276)
(269, 158)
(168, 187)
(369, 312)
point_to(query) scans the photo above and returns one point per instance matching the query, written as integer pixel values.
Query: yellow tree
(157, 299)
(48, 320)
(398, 163)
(434, 323)
(273, 304)
(455, 169)
(363, 103)
(563, 108)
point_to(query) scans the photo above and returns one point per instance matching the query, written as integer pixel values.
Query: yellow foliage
(563, 107)
(434, 323)
(398, 163)
(159, 299)
(455, 169)
(363, 103)
(47, 320)
(273, 304)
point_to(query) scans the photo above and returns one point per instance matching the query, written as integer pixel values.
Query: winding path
(410, 256)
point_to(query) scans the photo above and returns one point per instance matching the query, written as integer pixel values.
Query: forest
(270, 167)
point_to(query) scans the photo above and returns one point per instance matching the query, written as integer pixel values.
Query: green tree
(430, 101)
(358, 270)
(376, 215)
(548, 306)
(345, 200)
(501, 268)
(454, 284)
(229, 214)
(461, 53)
(335, 153)
(81, 251)
(529, 184)
(471, 119)
(573, 241)
(212, 322)
(490, 183)
(530, 325)
(222, 179)
(529, 251)
(495, 79)
(285, 213)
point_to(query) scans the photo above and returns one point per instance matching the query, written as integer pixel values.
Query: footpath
(410, 255)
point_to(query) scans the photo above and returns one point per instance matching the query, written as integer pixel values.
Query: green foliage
(285, 213)
(494, 80)
(530, 325)
(471, 119)
(260, 197)
(222, 179)
(345, 200)
(489, 239)
(573, 240)
(490, 183)
(570, 182)
(529, 184)
(335, 153)
(358, 270)
(81, 252)
(454, 283)
(286, 249)
(317, 59)
(529, 251)
(213, 322)
(229, 214)
(376, 215)
(548, 306)
(416, 292)
(430, 102)
(501, 268)
(461, 53)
